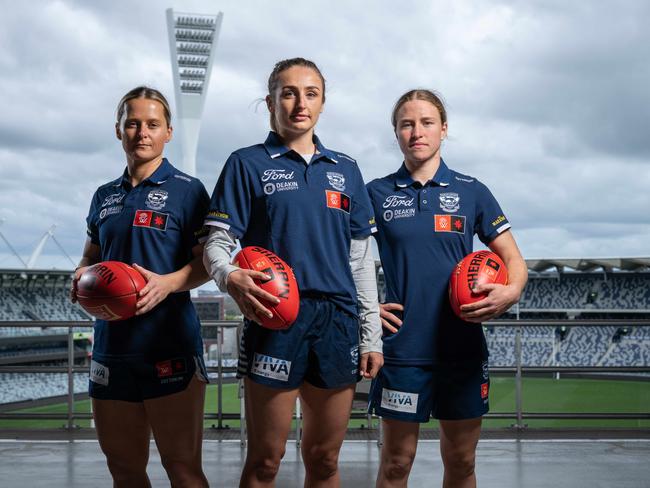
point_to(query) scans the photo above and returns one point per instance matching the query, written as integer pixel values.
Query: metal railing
(518, 370)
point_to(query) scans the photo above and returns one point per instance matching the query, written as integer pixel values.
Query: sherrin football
(109, 290)
(282, 285)
(480, 267)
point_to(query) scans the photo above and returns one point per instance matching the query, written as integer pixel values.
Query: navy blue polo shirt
(307, 214)
(156, 225)
(423, 231)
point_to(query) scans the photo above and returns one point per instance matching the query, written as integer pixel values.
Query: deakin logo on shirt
(151, 219)
(449, 223)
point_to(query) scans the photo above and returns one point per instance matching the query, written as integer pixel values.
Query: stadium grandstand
(573, 290)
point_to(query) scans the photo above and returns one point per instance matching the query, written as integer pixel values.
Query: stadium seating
(622, 295)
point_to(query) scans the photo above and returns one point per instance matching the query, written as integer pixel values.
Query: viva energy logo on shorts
(270, 367)
(400, 401)
(98, 373)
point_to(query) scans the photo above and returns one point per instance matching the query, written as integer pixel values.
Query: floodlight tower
(192, 42)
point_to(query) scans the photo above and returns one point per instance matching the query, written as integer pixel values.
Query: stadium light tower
(192, 42)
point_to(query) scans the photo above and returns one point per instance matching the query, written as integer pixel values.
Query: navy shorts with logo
(135, 380)
(321, 347)
(447, 391)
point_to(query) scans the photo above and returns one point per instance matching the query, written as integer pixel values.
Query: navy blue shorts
(321, 347)
(448, 391)
(135, 380)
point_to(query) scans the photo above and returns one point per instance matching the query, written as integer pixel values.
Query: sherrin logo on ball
(109, 290)
(477, 268)
(281, 284)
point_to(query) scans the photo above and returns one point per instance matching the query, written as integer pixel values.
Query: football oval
(282, 284)
(109, 290)
(480, 267)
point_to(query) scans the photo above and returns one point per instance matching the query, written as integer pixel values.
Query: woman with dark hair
(147, 373)
(436, 363)
(307, 204)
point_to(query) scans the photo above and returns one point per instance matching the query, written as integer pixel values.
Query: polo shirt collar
(403, 178)
(158, 177)
(275, 148)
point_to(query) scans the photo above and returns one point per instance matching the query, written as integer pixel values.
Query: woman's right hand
(389, 320)
(246, 293)
(73, 289)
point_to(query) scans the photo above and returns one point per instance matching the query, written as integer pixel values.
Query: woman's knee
(320, 462)
(460, 464)
(397, 465)
(184, 472)
(265, 465)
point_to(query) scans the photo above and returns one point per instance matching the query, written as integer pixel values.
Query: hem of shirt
(364, 233)
(238, 233)
(497, 232)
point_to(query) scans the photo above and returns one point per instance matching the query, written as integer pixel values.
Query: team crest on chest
(156, 199)
(337, 180)
(449, 202)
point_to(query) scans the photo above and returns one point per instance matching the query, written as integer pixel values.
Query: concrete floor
(501, 464)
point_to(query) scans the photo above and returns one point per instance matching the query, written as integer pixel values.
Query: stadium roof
(586, 264)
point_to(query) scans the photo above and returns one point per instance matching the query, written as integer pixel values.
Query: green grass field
(539, 395)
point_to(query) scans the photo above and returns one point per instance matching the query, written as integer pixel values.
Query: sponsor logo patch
(276, 175)
(399, 401)
(354, 356)
(394, 201)
(336, 180)
(449, 202)
(498, 220)
(449, 223)
(270, 367)
(466, 180)
(484, 390)
(156, 199)
(338, 200)
(217, 214)
(486, 370)
(98, 373)
(171, 367)
(114, 199)
(105, 212)
(151, 219)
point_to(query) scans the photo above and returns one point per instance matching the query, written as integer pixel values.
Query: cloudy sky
(548, 103)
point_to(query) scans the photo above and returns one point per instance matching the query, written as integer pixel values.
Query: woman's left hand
(370, 364)
(154, 292)
(499, 299)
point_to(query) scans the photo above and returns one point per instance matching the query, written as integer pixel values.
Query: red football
(282, 285)
(109, 290)
(480, 267)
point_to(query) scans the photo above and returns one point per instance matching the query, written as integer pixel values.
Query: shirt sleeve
(194, 212)
(362, 217)
(362, 265)
(490, 219)
(231, 202)
(216, 256)
(92, 221)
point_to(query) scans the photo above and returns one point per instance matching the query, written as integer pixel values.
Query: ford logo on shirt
(393, 201)
(276, 174)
